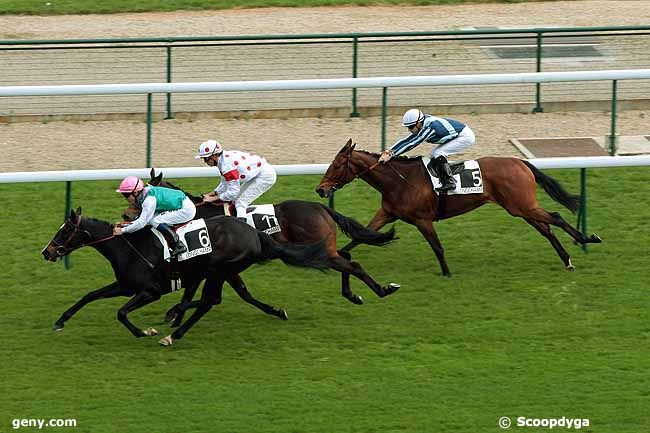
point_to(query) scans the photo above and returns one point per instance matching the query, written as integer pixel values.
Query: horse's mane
(395, 158)
(95, 220)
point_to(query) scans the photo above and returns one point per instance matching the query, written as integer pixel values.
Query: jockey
(451, 135)
(160, 207)
(244, 177)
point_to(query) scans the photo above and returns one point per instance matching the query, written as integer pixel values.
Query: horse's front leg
(109, 291)
(139, 300)
(378, 221)
(426, 229)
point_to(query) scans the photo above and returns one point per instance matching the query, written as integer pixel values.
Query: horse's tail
(554, 188)
(306, 256)
(355, 231)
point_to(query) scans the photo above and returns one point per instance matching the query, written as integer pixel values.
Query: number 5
(476, 175)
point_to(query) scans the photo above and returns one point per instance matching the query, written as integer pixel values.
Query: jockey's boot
(432, 166)
(176, 245)
(444, 171)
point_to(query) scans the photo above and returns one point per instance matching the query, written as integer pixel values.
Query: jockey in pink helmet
(244, 176)
(160, 207)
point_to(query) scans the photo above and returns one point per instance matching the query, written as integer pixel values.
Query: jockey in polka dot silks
(451, 135)
(244, 176)
(160, 207)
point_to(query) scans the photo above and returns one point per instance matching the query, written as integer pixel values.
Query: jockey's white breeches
(177, 216)
(459, 144)
(254, 188)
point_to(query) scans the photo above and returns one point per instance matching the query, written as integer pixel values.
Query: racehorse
(407, 194)
(143, 274)
(301, 222)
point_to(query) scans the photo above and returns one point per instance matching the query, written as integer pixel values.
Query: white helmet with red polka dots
(209, 148)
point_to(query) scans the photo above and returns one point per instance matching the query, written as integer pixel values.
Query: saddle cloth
(194, 236)
(467, 175)
(261, 217)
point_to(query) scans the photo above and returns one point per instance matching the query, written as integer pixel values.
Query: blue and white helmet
(411, 117)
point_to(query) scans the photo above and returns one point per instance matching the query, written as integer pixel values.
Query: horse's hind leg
(240, 287)
(556, 219)
(545, 230)
(175, 313)
(345, 281)
(347, 267)
(209, 297)
(109, 291)
(429, 233)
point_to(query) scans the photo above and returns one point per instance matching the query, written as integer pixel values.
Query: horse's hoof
(151, 331)
(355, 299)
(170, 317)
(596, 239)
(166, 341)
(570, 267)
(283, 315)
(58, 326)
(392, 288)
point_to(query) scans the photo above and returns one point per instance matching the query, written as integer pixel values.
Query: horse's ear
(348, 143)
(353, 146)
(152, 173)
(79, 210)
(157, 179)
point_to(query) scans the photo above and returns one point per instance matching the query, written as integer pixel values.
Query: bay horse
(143, 275)
(407, 194)
(301, 222)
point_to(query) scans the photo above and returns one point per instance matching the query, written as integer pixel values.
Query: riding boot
(444, 172)
(176, 246)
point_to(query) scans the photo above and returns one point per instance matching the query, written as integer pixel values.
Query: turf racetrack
(510, 334)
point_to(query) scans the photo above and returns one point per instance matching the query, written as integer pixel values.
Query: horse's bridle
(362, 173)
(63, 249)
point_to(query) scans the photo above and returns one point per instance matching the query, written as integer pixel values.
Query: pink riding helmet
(131, 184)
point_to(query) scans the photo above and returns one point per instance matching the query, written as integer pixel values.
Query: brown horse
(303, 222)
(407, 194)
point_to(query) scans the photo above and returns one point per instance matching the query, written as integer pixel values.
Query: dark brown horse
(304, 222)
(407, 194)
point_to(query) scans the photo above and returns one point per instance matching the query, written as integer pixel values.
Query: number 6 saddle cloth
(194, 236)
(467, 175)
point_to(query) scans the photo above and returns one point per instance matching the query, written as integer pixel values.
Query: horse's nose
(321, 192)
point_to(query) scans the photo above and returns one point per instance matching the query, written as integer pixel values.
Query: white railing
(333, 83)
(184, 172)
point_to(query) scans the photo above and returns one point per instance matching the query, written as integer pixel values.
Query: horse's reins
(372, 167)
(62, 249)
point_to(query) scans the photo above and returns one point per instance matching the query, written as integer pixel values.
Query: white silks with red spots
(244, 177)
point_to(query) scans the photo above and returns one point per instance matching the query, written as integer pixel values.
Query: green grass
(59, 7)
(510, 334)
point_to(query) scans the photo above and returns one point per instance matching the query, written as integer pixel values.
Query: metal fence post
(384, 99)
(169, 114)
(612, 135)
(355, 65)
(68, 207)
(582, 210)
(538, 86)
(149, 121)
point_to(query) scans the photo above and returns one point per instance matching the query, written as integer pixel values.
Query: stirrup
(177, 249)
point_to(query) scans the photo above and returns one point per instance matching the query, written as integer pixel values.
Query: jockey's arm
(148, 211)
(228, 189)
